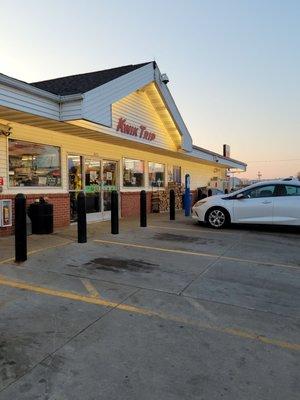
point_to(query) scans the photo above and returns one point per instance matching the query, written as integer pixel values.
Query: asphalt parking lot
(171, 311)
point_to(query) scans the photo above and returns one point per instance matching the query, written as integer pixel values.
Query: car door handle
(267, 202)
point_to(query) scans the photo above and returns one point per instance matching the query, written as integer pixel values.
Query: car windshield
(260, 191)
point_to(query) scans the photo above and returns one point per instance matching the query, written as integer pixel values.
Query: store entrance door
(100, 180)
(92, 188)
(109, 183)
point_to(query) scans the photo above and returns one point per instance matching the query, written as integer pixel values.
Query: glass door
(98, 178)
(109, 183)
(92, 187)
(75, 182)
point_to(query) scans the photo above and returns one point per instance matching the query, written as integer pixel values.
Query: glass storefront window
(133, 173)
(177, 174)
(33, 164)
(156, 174)
(75, 172)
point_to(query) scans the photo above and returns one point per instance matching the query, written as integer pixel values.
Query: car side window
(288, 190)
(260, 191)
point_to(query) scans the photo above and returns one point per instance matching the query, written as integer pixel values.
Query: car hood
(213, 198)
(217, 196)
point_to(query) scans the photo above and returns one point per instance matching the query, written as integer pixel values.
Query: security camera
(164, 78)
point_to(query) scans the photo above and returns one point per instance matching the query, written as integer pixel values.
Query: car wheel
(217, 218)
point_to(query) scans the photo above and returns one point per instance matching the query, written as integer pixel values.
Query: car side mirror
(240, 196)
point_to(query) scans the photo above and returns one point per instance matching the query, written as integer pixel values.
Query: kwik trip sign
(138, 131)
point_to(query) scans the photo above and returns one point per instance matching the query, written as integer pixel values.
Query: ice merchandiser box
(5, 213)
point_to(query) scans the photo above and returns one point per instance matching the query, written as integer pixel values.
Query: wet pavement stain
(119, 265)
(171, 237)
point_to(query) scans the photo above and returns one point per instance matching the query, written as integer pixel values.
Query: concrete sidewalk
(64, 236)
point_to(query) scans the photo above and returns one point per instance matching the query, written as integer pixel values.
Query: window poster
(109, 176)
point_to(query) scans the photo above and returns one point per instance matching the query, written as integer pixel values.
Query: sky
(233, 65)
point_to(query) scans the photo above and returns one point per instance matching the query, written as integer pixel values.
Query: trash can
(41, 215)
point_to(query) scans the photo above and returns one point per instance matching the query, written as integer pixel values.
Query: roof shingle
(84, 82)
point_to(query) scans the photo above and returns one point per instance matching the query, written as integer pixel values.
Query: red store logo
(138, 131)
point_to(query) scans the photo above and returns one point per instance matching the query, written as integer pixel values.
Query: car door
(256, 207)
(287, 205)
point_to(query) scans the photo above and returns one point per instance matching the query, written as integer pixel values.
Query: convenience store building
(117, 129)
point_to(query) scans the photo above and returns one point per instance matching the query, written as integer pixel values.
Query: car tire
(217, 218)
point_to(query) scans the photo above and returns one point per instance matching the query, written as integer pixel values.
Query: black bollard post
(172, 205)
(81, 218)
(143, 209)
(20, 228)
(114, 213)
(209, 193)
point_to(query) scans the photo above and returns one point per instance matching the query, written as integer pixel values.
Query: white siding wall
(200, 174)
(138, 110)
(27, 102)
(71, 110)
(187, 143)
(96, 104)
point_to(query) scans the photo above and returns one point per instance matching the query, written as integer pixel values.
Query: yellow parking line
(192, 253)
(90, 288)
(52, 292)
(12, 259)
(207, 230)
(141, 246)
(7, 260)
(172, 228)
(143, 311)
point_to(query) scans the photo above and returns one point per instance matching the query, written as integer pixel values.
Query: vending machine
(5, 213)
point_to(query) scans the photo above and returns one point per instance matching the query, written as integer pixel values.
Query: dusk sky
(233, 65)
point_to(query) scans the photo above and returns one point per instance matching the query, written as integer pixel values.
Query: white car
(269, 202)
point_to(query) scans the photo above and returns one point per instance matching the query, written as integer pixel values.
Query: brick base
(130, 204)
(61, 209)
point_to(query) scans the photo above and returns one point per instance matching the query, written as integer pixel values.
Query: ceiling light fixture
(5, 130)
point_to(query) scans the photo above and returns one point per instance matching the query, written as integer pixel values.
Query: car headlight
(200, 202)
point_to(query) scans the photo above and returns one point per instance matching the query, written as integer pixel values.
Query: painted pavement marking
(90, 288)
(189, 229)
(197, 254)
(232, 331)
(12, 259)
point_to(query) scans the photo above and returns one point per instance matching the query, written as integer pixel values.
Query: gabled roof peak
(82, 83)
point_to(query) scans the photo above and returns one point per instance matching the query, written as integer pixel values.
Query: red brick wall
(130, 204)
(61, 209)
